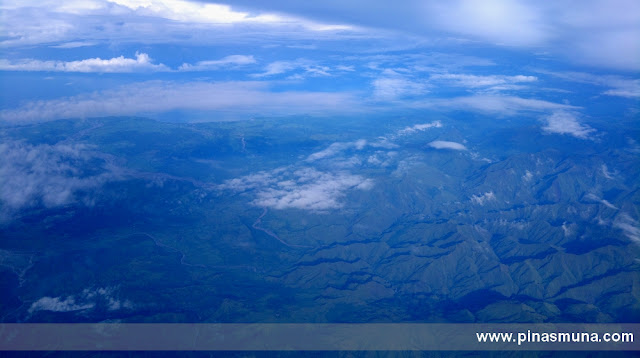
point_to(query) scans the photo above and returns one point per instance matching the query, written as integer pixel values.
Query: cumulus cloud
(304, 188)
(229, 61)
(235, 98)
(441, 144)
(563, 122)
(58, 304)
(49, 175)
(142, 62)
(88, 299)
(483, 198)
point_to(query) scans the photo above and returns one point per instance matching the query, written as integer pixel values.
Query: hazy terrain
(418, 217)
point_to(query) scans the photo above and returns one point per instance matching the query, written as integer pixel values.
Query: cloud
(475, 81)
(58, 304)
(618, 85)
(392, 85)
(606, 203)
(142, 62)
(196, 12)
(48, 175)
(382, 159)
(629, 227)
(607, 174)
(311, 190)
(229, 61)
(507, 105)
(309, 68)
(74, 44)
(31, 22)
(483, 198)
(563, 122)
(87, 299)
(441, 144)
(507, 22)
(336, 148)
(597, 33)
(234, 98)
(305, 188)
(419, 127)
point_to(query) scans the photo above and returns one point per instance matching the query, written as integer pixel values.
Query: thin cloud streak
(505, 105)
(239, 98)
(142, 62)
(442, 144)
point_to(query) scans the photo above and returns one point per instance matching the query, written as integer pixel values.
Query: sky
(185, 60)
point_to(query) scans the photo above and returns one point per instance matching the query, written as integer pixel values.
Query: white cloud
(420, 127)
(563, 122)
(605, 171)
(305, 189)
(57, 304)
(74, 44)
(87, 299)
(31, 22)
(309, 68)
(392, 85)
(336, 148)
(475, 81)
(229, 61)
(441, 144)
(483, 198)
(121, 64)
(142, 62)
(507, 105)
(618, 85)
(197, 12)
(233, 98)
(506, 22)
(629, 227)
(313, 190)
(597, 32)
(606, 203)
(50, 175)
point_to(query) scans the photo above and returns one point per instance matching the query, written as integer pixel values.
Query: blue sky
(204, 60)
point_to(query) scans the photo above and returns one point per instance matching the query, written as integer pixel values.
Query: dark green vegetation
(152, 227)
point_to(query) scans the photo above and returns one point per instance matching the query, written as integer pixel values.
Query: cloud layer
(240, 98)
